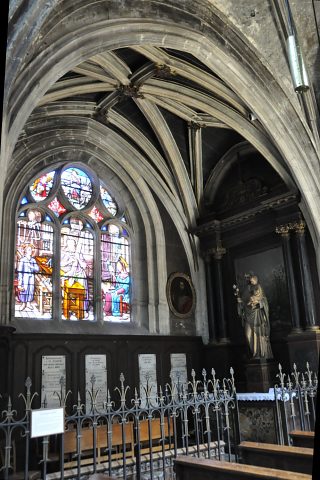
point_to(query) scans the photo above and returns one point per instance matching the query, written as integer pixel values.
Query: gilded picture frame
(181, 295)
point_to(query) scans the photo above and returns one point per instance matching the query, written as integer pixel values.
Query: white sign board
(46, 421)
(96, 365)
(178, 372)
(53, 369)
(148, 375)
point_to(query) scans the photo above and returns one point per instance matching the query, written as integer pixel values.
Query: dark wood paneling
(122, 357)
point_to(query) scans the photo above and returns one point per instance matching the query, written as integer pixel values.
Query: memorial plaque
(178, 372)
(96, 369)
(53, 371)
(148, 375)
(46, 421)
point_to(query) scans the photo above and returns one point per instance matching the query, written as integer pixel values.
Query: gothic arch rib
(223, 166)
(226, 115)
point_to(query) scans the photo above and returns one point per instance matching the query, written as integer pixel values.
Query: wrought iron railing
(295, 395)
(128, 435)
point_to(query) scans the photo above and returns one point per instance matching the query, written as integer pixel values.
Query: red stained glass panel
(57, 207)
(96, 215)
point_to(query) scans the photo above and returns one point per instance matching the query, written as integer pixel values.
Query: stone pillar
(210, 300)
(218, 253)
(195, 153)
(284, 231)
(306, 280)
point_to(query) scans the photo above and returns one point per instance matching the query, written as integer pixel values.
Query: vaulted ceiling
(158, 99)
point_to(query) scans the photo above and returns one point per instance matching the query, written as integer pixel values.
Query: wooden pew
(301, 438)
(155, 435)
(190, 468)
(87, 453)
(70, 443)
(117, 441)
(296, 459)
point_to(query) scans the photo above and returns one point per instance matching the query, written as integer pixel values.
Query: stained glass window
(42, 186)
(115, 275)
(77, 187)
(77, 247)
(34, 267)
(96, 215)
(108, 201)
(57, 207)
(68, 222)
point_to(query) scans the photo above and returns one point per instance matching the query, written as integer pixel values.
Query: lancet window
(72, 257)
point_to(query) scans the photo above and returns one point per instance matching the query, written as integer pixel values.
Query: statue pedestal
(260, 374)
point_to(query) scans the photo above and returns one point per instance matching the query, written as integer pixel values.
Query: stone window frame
(57, 223)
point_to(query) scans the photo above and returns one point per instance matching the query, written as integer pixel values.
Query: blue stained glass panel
(108, 202)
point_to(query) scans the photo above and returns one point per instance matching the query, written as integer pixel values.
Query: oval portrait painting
(181, 295)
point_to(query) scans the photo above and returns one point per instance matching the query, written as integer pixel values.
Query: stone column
(195, 153)
(306, 280)
(284, 231)
(218, 253)
(210, 300)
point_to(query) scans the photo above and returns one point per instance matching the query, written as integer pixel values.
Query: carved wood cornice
(246, 216)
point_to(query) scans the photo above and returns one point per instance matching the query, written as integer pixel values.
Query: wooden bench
(189, 468)
(117, 440)
(156, 436)
(296, 459)
(86, 444)
(301, 438)
(70, 443)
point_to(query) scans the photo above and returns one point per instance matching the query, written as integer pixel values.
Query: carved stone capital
(299, 227)
(219, 252)
(284, 230)
(216, 252)
(194, 125)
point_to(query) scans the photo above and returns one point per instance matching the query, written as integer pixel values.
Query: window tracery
(71, 241)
